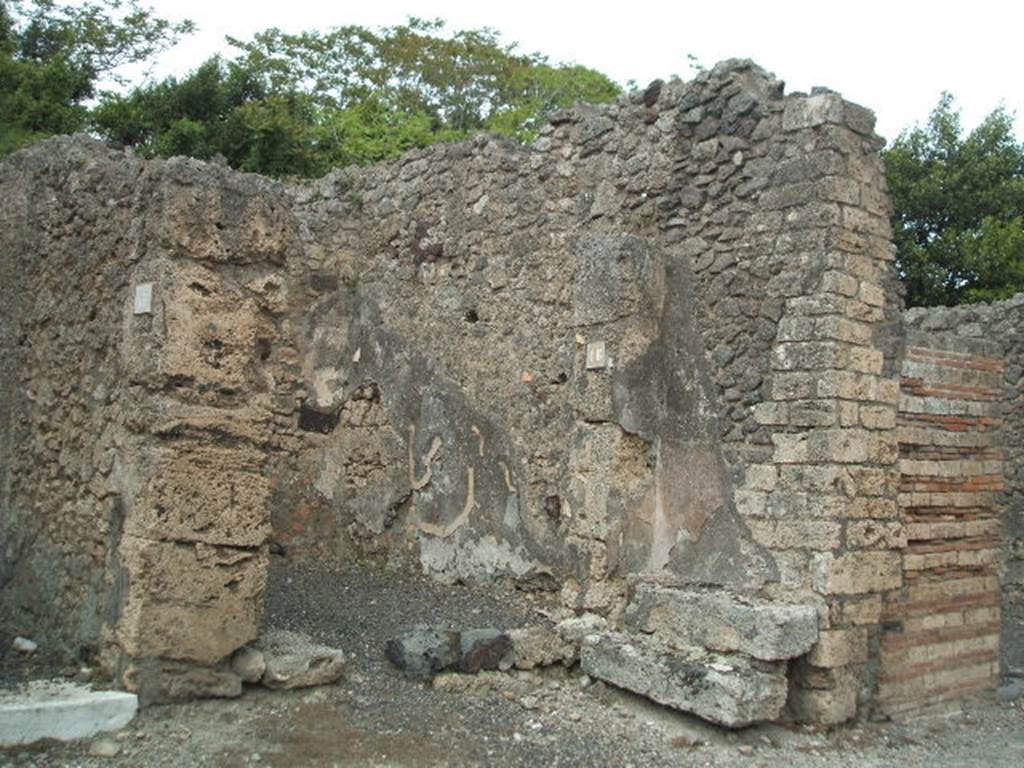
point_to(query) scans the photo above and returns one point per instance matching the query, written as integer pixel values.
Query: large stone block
(193, 603)
(723, 621)
(729, 690)
(811, 111)
(203, 493)
(160, 681)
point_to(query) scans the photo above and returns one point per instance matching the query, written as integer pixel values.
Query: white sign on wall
(143, 299)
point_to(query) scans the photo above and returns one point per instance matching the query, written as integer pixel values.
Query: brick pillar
(942, 629)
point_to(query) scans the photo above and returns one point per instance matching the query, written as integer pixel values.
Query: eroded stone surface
(725, 621)
(293, 660)
(191, 602)
(424, 651)
(726, 689)
(249, 664)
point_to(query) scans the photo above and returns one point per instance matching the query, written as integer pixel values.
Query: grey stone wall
(661, 343)
(67, 249)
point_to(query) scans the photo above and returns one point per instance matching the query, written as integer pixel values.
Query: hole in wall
(263, 349)
(471, 316)
(312, 420)
(213, 352)
(553, 506)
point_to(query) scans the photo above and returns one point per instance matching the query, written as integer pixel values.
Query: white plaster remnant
(143, 299)
(444, 531)
(435, 446)
(476, 431)
(508, 477)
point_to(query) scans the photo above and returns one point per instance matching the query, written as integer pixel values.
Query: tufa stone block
(728, 690)
(857, 572)
(811, 111)
(723, 621)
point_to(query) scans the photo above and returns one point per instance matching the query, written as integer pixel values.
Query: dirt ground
(375, 717)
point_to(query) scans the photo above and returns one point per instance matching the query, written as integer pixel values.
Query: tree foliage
(52, 55)
(301, 104)
(958, 208)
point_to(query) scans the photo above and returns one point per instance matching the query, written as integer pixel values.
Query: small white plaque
(143, 299)
(596, 356)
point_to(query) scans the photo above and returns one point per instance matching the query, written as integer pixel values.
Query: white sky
(894, 57)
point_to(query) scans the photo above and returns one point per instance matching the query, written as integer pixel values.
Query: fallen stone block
(540, 646)
(482, 649)
(543, 645)
(293, 660)
(163, 680)
(49, 709)
(728, 690)
(723, 621)
(424, 651)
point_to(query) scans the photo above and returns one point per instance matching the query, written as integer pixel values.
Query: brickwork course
(654, 362)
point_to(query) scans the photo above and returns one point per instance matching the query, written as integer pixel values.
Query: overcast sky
(895, 57)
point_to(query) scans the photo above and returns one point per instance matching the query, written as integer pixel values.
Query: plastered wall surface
(658, 348)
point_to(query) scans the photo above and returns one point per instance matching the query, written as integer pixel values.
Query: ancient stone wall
(69, 244)
(139, 323)
(656, 351)
(958, 622)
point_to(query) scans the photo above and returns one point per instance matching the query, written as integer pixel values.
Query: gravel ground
(374, 717)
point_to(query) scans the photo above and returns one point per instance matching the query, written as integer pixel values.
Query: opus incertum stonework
(655, 362)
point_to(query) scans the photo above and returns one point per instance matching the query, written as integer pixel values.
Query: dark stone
(652, 93)
(323, 282)
(482, 649)
(312, 420)
(424, 651)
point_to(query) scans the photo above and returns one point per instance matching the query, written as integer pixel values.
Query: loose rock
(249, 664)
(424, 651)
(293, 660)
(482, 649)
(723, 621)
(104, 748)
(24, 645)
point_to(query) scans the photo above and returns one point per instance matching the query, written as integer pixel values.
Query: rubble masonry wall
(661, 343)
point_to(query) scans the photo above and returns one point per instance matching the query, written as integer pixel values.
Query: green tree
(958, 201)
(52, 55)
(305, 103)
